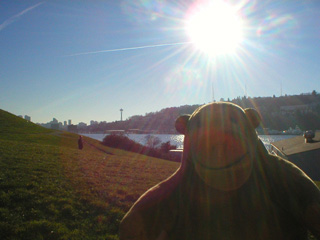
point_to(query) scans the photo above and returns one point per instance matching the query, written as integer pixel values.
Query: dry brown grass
(118, 178)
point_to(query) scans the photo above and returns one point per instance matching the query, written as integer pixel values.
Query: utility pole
(121, 110)
(245, 89)
(212, 92)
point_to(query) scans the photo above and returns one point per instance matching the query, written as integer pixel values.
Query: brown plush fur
(225, 192)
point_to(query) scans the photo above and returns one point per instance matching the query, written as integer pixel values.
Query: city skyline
(82, 61)
(291, 107)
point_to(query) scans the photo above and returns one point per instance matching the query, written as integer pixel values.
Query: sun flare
(215, 28)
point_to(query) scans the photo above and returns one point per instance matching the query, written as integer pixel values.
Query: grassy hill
(49, 189)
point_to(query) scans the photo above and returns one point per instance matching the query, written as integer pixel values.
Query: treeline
(159, 122)
(275, 117)
(270, 108)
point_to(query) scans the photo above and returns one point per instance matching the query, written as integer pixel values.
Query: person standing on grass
(80, 143)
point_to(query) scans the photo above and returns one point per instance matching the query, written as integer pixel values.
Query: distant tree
(166, 147)
(314, 93)
(152, 141)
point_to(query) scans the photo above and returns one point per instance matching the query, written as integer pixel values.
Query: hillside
(11, 124)
(305, 113)
(49, 189)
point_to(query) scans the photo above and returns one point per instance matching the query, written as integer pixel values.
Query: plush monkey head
(220, 143)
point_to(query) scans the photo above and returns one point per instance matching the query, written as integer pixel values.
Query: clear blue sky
(84, 60)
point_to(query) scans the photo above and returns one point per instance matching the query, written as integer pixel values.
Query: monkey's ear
(181, 123)
(253, 117)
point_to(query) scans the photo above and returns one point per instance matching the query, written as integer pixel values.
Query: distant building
(20, 116)
(82, 125)
(54, 120)
(72, 128)
(94, 122)
(65, 123)
(69, 122)
(46, 125)
(119, 132)
(121, 110)
(55, 126)
(136, 131)
(28, 118)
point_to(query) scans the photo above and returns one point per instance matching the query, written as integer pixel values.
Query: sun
(215, 28)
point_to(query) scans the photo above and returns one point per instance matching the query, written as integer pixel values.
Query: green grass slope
(51, 190)
(11, 124)
(18, 129)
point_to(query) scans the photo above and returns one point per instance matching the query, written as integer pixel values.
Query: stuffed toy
(227, 187)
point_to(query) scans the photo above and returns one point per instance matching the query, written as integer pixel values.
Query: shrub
(166, 147)
(125, 143)
(122, 142)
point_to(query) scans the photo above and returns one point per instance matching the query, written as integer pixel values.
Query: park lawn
(49, 189)
(59, 192)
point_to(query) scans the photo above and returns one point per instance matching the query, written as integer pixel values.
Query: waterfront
(177, 140)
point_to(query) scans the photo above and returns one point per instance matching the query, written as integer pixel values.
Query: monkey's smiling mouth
(232, 164)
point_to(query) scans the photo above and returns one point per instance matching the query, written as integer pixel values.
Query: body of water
(177, 140)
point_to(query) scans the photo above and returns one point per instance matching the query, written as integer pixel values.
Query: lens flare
(215, 28)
